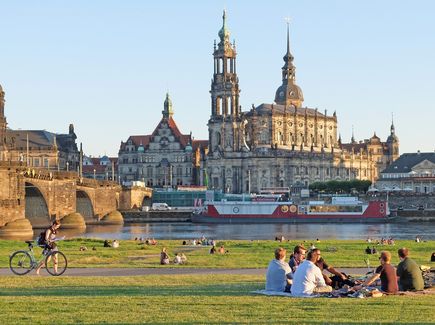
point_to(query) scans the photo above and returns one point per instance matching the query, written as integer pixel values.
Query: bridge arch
(84, 205)
(36, 208)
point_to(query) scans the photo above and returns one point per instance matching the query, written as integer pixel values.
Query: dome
(188, 148)
(392, 138)
(292, 92)
(224, 32)
(141, 148)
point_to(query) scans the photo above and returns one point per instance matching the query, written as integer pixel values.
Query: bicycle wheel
(56, 263)
(20, 263)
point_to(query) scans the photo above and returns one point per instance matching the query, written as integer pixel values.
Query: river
(187, 230)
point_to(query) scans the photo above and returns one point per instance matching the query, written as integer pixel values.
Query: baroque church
(282, 144)
(37, 148)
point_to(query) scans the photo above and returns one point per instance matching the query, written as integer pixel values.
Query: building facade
(165, 158)
(412, 172)
(38, 148)
(282, 144)
(101, 168)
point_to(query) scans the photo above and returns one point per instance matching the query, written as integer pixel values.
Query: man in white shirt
(278, 276)
(308, 279)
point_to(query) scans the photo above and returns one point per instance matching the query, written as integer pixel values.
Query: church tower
(3, 124)
(225, 120)
(289, 93)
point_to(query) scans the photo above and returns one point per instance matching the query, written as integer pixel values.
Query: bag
(41, 239)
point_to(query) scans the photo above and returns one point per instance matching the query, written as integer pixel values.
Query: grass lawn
(242, 253)
(219, 299)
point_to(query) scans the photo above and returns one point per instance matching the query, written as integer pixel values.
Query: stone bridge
(32, 198)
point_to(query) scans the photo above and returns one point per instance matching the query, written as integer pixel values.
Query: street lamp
(94, 172)
(67, 166)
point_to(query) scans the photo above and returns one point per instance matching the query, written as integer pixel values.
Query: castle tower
(289, 93)
(393, 144)
(167, 107)
(224, 123)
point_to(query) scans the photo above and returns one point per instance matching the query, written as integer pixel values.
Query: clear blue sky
(106, 65)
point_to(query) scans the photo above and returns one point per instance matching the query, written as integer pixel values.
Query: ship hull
(287, 213)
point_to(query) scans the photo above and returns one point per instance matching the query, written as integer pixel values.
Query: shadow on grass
(203, 290)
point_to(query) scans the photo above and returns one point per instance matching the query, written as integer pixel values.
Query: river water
(187, 230)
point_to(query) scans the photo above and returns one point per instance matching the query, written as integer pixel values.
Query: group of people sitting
(382, 241)
(303, 275)
(200, 241)
(180, 258)
(220, 250)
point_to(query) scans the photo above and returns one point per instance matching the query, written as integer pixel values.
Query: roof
(355, 146)
(40, 139)
(199, 144)
(137, 140)
(267, 108)
(407, 161)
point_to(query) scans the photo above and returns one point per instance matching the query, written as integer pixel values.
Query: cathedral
(281, 144)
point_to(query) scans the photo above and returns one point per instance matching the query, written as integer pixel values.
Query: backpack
(41, 239)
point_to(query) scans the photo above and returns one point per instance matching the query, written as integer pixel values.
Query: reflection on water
(258, 231)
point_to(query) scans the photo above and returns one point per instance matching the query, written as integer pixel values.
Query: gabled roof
(145, 140)
(407, 161)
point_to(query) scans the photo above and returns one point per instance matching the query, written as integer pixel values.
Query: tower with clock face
(289, 93)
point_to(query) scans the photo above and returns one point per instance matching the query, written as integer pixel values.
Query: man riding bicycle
(47, 241)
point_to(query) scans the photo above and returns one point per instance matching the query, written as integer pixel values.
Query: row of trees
(341, 186)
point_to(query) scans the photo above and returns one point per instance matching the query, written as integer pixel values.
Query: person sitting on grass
(408, 272)
(213, 250)
(308, 279)
(164, 257)
(279, 274)
(386, 272)
(222, 250)
(177, 259)
(297, 257)
(338, 280)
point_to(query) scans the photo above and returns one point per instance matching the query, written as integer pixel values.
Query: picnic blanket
(279, 293)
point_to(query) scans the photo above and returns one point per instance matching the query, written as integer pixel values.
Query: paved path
(163, 271)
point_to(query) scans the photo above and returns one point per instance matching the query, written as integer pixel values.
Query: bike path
(164, 271)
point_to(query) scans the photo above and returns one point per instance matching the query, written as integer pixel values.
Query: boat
(277, 209)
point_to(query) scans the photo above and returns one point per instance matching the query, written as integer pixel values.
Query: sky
(106, 65)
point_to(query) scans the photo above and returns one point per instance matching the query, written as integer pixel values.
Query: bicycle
(22, 262)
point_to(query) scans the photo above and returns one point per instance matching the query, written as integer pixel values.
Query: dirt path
(162, 271)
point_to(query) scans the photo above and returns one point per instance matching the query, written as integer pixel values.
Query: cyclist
(49, 245)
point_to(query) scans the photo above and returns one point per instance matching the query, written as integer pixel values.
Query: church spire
(224, 33)
(167, 107)
(289, 93)
(392, 128)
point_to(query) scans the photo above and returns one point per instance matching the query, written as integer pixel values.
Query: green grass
(242, 253)
(203, 299)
